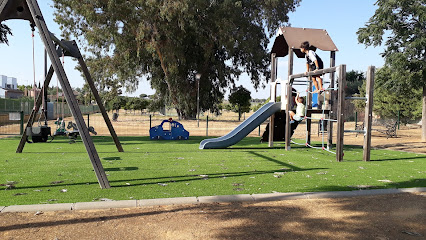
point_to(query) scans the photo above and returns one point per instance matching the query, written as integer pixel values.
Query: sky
(341, 19)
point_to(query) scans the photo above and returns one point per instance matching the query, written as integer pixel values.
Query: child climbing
(300, 110)
(313, 62)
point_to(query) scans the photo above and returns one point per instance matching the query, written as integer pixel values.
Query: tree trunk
(424, 113)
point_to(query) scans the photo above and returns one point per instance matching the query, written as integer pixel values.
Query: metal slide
(243, 129)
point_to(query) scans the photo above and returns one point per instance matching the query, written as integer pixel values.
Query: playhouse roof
(293, 37)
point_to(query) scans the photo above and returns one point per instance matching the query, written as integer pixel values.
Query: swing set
(55, 48)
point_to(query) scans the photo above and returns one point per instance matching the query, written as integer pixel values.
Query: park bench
(389, 131)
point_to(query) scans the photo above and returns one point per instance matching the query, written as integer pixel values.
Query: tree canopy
(169, 42)
(403, 23)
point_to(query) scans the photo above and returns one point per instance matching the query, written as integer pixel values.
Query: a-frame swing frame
(29, 10)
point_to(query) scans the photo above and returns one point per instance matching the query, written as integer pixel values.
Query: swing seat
(38, 134)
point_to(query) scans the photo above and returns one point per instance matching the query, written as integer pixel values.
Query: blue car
(173, 131)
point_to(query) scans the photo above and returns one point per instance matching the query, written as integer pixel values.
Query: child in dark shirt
(313, 62)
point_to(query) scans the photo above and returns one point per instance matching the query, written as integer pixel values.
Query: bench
(389, 131)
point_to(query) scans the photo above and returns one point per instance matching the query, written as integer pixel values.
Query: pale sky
(340, 18)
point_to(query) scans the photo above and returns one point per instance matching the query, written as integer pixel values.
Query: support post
(340, 112)
(331, 101)
(289, 99)
(99, 101)
(368, 113)
(273, 91)
(37, 17)
(287, 116)
(309, 106)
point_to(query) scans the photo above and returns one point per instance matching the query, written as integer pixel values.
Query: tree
(117, 103)
(240, 98)
(403, 22)
(354, 81)
(169, 42)
(4, 31)
(388, 104)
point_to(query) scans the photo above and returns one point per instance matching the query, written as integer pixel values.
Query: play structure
(55, 48)
(174, 131)
(287, 43)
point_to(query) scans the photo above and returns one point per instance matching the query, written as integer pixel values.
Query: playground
(281, 148)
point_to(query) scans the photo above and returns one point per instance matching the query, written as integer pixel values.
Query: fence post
(150, 121)
(399, 117)
(356, 120)
(22, 122)
(207, 126)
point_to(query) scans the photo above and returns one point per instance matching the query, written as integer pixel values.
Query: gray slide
(243, 129)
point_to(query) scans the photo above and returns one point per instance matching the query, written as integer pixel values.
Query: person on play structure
(313, 62)
(300, 110)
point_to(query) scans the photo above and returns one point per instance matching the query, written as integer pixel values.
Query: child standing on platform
(313, 62)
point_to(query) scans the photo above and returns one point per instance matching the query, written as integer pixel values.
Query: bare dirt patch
(399, 216)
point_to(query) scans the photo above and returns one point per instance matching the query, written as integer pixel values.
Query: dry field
(136, 124)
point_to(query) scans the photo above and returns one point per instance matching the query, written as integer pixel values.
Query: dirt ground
(399, 216)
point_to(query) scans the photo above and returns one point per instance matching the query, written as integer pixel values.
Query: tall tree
(169, 42)
(403, 22)
(240, 98)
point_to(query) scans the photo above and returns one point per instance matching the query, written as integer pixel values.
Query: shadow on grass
(111, 158)
(121, 169)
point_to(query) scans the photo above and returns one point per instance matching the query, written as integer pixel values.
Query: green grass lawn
(164, 169)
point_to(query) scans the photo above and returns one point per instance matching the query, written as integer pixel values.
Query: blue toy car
(175, 131)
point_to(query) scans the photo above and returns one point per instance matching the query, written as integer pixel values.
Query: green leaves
(4, 31)
(170, 41)
(240, 98)
(403, 23)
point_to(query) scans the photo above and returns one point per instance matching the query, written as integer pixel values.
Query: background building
(9, 87)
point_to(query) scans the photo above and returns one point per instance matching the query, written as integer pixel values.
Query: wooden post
(45, 35)
(331, 103)
(98, 99)
(368, 113)
(287, 116)
(289, 100)
(309, 106)
(272, 118)
(340, 112)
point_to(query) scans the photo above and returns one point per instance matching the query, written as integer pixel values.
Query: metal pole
(197, 77)
(150, 121)
(207, 127)
(399, 117)
(22, 122)
(356, 119)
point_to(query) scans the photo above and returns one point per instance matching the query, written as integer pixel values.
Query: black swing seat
(38, 134)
